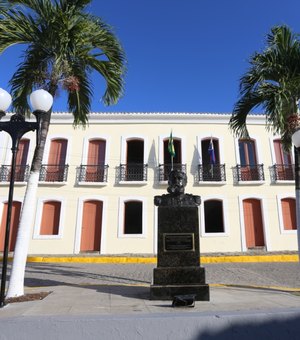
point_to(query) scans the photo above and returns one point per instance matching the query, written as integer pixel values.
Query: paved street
(250, 274)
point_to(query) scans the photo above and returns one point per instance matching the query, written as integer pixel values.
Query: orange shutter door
(15, 216)
(96, 158)
(253, 223)
(50, 218)
(56, 159)
(91, 226)
(288, 206)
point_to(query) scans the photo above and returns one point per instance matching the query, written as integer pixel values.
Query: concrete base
(167, 292)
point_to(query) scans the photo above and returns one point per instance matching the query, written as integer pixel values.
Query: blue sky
(183, 55)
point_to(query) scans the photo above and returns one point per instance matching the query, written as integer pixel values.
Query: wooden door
(91, 226)
(15, 216)
(253, 223)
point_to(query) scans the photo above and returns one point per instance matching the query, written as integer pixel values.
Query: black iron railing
(133, 172)
(165, 169)
(243, 173)
(211, 173)
(282, 172)
(21, 173)
(54, 173)
(92, 173)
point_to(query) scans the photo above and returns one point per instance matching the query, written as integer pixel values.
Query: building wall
(115, 128)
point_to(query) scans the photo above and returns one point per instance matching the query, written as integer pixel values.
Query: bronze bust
(176, 197)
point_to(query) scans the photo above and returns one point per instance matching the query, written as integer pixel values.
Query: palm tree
(64, 45)
(273, 83)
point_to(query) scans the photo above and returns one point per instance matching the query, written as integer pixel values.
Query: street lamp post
(296, 142)
(16, 127)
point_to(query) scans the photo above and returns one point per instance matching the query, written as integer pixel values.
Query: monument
(178, 269)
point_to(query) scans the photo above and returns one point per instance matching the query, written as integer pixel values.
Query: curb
(153, 260)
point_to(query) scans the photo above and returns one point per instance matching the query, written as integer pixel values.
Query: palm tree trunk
(16, 283)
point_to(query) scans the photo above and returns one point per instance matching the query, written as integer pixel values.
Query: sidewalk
(105, 301)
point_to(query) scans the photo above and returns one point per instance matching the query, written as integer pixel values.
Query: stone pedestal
(178, 269)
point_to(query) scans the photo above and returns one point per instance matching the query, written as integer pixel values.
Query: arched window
(50, 220)
(288, 208)
(133, 217)
(213, 216)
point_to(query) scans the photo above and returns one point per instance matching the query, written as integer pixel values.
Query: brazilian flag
(171, 148)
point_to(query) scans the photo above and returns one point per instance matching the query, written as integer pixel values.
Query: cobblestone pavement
(253, 274)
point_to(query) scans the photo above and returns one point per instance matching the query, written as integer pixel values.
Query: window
(133, 217)
(210, 168)
(56, 161)
(247, 152)
(167, 163)
(288, 208)
(95, 170)
(50, 220)
(249, 170)
(134, 168)
(283, 167)
(21, 160)
(213, 216)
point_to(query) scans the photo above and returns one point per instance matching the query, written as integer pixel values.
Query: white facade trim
(38, 219)
(79, 217)
(122, 201)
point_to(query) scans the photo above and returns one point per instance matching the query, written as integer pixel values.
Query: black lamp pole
(16, 127)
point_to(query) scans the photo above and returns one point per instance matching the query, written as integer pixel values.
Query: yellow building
(97, 184)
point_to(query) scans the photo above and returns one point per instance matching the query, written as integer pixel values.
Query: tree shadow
(66, 274)
(281, 327)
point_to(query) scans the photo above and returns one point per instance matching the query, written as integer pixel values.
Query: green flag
(171, 148)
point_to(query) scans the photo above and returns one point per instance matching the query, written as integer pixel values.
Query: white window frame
(122, 201)
(78, 229)
(38, 219)
(279, 197)
(221, 198)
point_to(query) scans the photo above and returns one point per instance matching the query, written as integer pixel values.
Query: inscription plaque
(179, 242)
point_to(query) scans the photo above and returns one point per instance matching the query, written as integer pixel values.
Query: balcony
(21, 173)
(92, 173)
(211, 173)
(54, 173)
(248, 173)
(165, 169)
(282, 172)
(133, 172)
